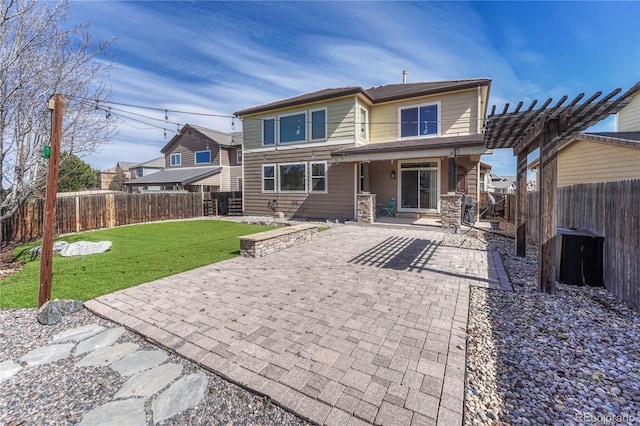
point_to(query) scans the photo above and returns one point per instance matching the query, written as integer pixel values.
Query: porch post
(521, 205)
(366, 208)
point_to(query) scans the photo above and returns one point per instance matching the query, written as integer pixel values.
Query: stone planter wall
(264, 243)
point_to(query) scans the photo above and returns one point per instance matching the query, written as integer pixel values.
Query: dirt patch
(8, 264)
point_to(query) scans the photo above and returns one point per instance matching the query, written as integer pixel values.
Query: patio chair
(389, 208)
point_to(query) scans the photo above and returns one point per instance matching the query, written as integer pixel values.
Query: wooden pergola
(546, 128)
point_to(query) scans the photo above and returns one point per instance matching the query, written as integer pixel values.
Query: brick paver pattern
(364, 325)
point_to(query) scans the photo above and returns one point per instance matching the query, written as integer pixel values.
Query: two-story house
(310, 156)
(197, 159)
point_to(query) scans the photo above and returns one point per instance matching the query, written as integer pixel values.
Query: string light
(166, 115)
(233, 124)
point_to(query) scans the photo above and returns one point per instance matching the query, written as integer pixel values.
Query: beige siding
(186, 146)
(338, 202)
(223, 159)
(340, 121)
(458, 115)
(235, 173)
(584, 161)
(629, 116)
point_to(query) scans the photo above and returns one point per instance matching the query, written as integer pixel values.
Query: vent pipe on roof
(404, 76)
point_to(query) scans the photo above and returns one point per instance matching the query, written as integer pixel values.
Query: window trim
(275, 174)
(177, 163)
(418, 106)
(306, 178)
(275, 130)
(326, 130)
(363, 125)
(312, 176)
(195, 157)
(305, 121)
(239, 156)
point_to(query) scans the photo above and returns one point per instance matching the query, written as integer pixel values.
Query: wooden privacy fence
(610, 209)
(88, 212)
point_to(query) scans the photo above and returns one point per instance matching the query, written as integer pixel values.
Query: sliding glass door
(419, 186)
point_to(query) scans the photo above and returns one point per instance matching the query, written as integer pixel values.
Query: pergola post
(547, 193)
(521, 205)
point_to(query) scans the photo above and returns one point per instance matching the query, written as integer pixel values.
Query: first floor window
(268, 178)
(319, 177)
(176, 159)
(419, 121)
(292, 177)
(203, 157)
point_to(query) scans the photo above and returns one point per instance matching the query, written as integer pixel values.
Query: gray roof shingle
(181, 176)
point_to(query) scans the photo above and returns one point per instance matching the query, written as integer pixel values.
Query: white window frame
(275, 174)
(178, 156)
(325, 177)
(275, 130)
(363, 125)
(419, 136)
(326, 130)
(195, 157)
(306, 178)
(239, 156)
(306, 127)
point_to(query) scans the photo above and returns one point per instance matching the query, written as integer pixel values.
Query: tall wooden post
(46, 257)
(547, 192)
(521, 205)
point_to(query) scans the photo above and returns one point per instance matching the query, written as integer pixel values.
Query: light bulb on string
(108, 115)
(165, 133)
(298, 129)
(166, 115)
(233, 124)
(97, 107)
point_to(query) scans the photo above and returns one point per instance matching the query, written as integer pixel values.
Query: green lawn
(139, 254)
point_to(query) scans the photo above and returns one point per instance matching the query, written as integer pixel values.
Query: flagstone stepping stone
(101, 340)
(149, 382)
(8, 369)
(129, 412)
(47, 354)
(139, 361)
(107, 356)
(184, 394)
(78, 334)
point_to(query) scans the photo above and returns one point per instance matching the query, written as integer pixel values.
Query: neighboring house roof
(412, 144)
(181, 176)
(155, 163)
(623, 139)
(223, 139)
(125, 165)
(502, 182)
(485, 166)
(378, 94)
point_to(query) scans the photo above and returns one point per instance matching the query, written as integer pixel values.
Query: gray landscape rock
(129, 412)
(107, 356)
(149, 382)
(68, 306)
(78, 334)
(183, 395)
(58, 246)
(47, 354)
(139, 361)
(49, 313)
(8, 369)
(82, 248)
(102, 340)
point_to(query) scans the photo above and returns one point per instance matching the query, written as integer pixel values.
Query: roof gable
(225, 140)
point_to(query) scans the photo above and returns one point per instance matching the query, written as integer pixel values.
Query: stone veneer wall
(451, 211)
(264, 243)
(366, 208)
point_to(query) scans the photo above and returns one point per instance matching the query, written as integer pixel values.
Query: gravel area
(563, 359)
(60, 393)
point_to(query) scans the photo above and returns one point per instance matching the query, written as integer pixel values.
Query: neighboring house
(197, 159)
(312, 155)
(148, 167)
(602, 156)
(106, 176)
(502, 184)
(485, 173)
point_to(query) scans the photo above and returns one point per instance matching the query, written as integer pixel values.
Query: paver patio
(364, 325)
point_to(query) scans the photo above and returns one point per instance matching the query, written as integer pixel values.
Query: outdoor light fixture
(393, 174)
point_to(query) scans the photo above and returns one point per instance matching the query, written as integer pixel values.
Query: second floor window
(319, 124)
(269, 131)
(421, 120)
(203, 157)
(176, 159)
(239, 156)
(293, 128)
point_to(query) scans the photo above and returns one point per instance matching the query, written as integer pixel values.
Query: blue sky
(218, 57)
